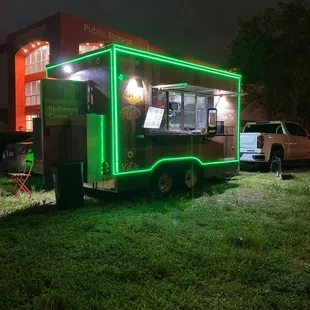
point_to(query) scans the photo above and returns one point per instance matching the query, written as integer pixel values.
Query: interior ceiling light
(38, 43)
(32, 45)
(25, 50)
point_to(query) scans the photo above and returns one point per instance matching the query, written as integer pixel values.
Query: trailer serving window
(182, 111)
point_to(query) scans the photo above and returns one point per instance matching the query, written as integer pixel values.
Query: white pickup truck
(262, 141)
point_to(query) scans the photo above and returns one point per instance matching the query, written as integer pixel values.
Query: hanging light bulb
(132, 85)
(134, 91)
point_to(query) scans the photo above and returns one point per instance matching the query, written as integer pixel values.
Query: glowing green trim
(116, 113)
(183, 63)
(122, 76)
(176, 159)
(113, 49)
(115, 104)
(102, 146)
(238, 121)
(49, 67)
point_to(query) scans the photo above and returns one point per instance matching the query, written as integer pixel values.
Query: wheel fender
(177, 169)
(276, 146)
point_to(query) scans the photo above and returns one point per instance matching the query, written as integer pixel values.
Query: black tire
(163, 182)
(192, 176)
(275, 153)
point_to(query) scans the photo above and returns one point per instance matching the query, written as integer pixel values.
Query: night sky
(197, 28)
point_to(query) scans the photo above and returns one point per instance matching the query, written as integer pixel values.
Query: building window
(29, 121)
(37, 59)
(32, 93)
(88, 47)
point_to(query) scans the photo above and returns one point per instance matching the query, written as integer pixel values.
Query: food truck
(138, 119)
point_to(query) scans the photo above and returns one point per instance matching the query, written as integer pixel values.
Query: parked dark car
(9, 137)
(15, 155)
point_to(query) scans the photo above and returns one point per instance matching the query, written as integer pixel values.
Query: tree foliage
(272, 51)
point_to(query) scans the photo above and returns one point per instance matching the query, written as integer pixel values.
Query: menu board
(153, 118)
(61, 99)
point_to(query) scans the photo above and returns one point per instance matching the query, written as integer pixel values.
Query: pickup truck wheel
(276, 153)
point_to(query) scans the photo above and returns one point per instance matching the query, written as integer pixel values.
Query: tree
(263, 99)
(272, 52)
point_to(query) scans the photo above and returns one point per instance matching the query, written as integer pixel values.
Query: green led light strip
(180, 64)
(115, 123)
(102, 146)
(115, 105)
(113, 96)
(238, 121)
(103, 51)
(80, 58)
(176, 159)
(115, 147)
(145, 54)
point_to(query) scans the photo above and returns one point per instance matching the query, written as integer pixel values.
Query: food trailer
(138, 119)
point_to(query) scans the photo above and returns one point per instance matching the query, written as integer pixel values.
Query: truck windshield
(264, 128)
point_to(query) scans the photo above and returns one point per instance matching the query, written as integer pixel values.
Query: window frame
(259, 127)
(166, 128)
(32, 65)
(86, 48)
(30, 121)
(296, 126)
(207, 105)
(33, 85)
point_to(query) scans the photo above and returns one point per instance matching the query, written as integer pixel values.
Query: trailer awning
(204, 91)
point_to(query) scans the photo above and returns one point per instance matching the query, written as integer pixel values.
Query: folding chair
(21, 179)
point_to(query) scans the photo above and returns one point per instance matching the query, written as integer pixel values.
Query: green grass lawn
(243, 244)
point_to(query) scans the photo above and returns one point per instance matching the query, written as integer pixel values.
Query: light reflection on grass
(243, 244)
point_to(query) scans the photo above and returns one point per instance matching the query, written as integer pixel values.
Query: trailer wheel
(192, 176)
(162, 182)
